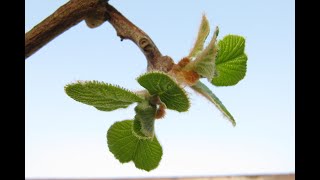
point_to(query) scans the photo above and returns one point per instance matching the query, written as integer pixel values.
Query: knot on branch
(97, 16)
(146, 45)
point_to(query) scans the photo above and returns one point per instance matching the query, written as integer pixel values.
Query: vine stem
(94, 12)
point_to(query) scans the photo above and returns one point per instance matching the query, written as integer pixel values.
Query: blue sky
(67, 139)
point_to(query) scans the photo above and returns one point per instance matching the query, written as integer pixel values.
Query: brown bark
(95, 12)
(61, 20)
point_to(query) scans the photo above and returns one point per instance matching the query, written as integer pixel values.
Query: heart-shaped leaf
(170, 93)
(104, 97)
(231, 61)
(125, 146)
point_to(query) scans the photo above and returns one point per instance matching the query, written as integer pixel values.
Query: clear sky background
(65, 138)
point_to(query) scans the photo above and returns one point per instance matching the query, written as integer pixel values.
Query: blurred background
(67, 139)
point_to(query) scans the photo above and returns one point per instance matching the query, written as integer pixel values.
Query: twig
(127, 30)
(95, 12)
(61, 20)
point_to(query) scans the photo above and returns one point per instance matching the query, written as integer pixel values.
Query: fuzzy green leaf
(207, 93)
(204, 64)
(203, 33)
(145, 114)
(104, 97)
(125, 146)
(231, 61)
(136, 129)
(170, 93)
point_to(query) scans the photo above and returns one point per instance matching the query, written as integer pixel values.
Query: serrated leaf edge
(226, 115)
(217, 63)
(148, 170)
(101, 82)
(171, 78)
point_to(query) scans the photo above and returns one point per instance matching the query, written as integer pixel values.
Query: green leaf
(136, 130)
(231, 62)
(125, 146)
(145, 114)
(203, 33)
(207, 93)
(104, 97)
(204, 64)
(170, 93)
